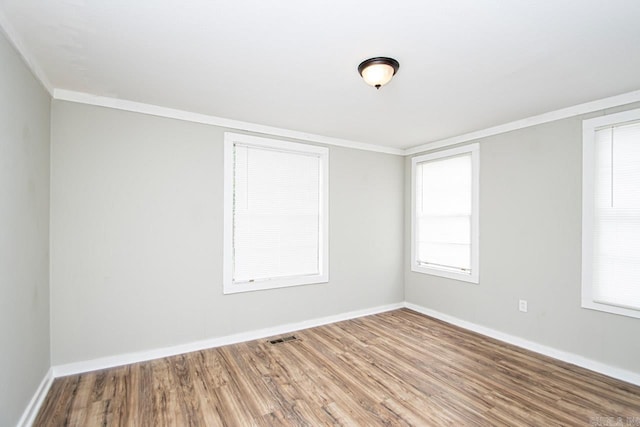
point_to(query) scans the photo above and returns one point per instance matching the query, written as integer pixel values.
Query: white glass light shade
(378, 71)
(377, 74)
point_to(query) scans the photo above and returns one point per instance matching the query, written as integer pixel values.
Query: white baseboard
(592, 365)
(32, 409)
(142, 356)
(30, 413)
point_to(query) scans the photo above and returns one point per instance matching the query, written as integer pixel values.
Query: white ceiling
(465, 65)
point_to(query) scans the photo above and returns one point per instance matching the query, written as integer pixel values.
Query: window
(276, 213)
(444, 205)
(611, 214)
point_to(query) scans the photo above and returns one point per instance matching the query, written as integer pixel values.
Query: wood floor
(394, 368)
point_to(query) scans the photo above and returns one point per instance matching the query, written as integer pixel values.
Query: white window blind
(276, 213)
(276, 228)
(445, 220)
(616, 216)
(444, 213)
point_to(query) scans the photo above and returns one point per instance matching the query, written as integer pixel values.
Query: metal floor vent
(284, 339)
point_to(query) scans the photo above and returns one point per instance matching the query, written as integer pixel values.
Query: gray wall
(24, 234)
(136, 232)
(136, 226)
(530, 248)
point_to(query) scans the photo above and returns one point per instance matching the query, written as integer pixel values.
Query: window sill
(234, 288)
(470, 278)
(613, 309)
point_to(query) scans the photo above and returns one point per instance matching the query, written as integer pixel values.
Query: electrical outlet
(522, 305)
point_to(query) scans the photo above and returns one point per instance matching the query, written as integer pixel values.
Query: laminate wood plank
(406, 360)
(272, 419)
(204, 385)
(516, 382)
(359, 389)
(297, 382)
(166, 408)
(145, 413)
(183, 375)
(428, 362)
(55, 410)
(293, 382)
(250, 386)
(78, 410)
(395, 368)
(524, 371)
(340, 415)
(119, 388)
(232, 408)
(346, 362)
(331, 393)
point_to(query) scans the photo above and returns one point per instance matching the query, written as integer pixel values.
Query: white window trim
(229, 287)
(589, 128)
(474, 277)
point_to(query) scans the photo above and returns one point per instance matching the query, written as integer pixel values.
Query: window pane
(445, 241)
(616, 228)
(626, 167)
(443, 204)
(445, 229)
(276, 229)
(446, 186)
(616, 273)
(446, 255)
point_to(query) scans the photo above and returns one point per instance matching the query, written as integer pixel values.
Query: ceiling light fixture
(378, 71)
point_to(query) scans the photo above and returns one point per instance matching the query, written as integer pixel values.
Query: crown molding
(564, 113)
(16, 41)
(155, 110)
(122, 104)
